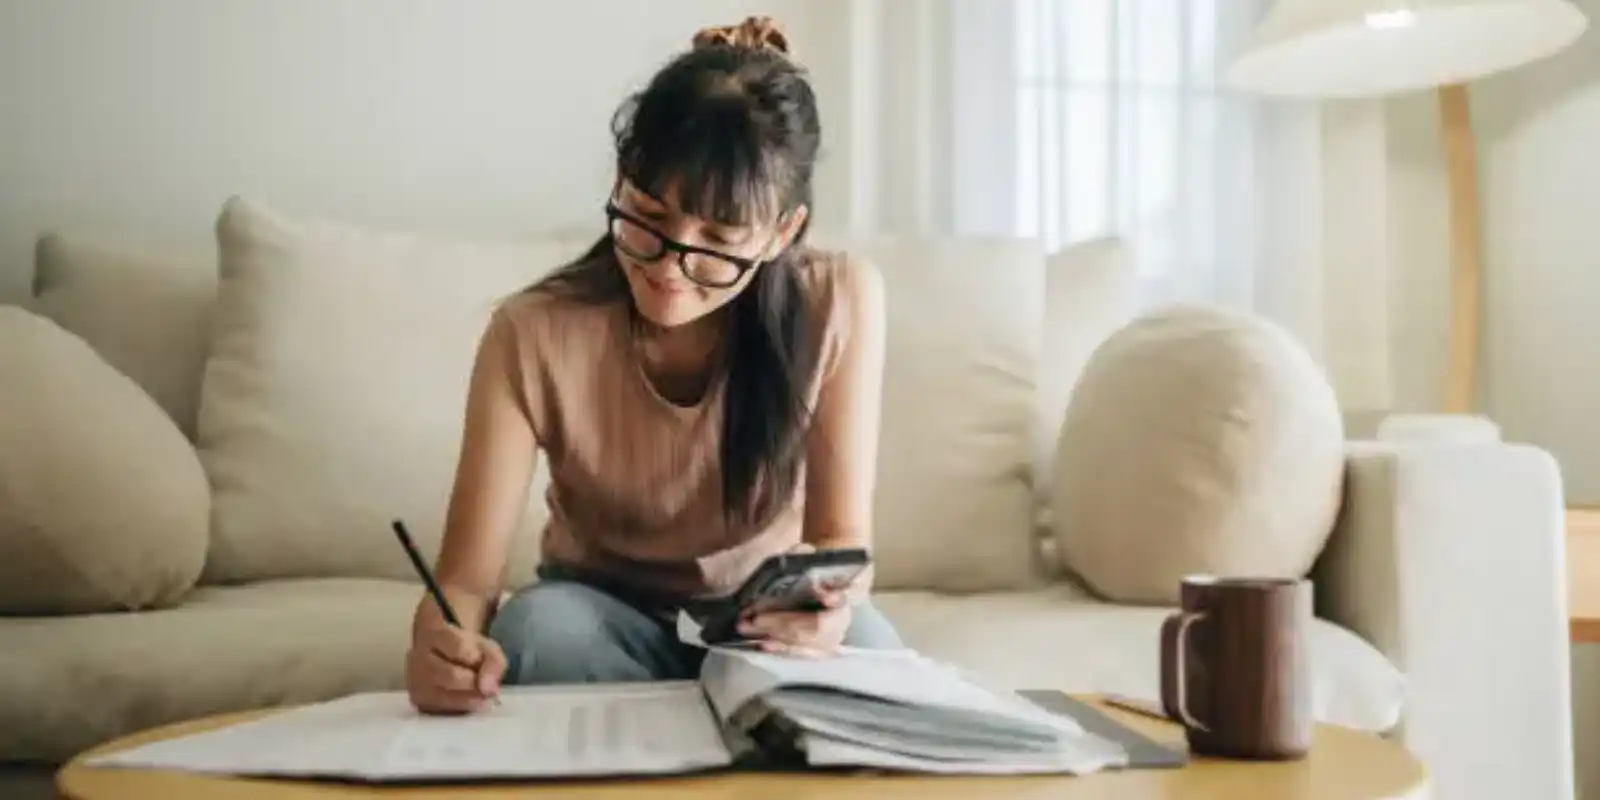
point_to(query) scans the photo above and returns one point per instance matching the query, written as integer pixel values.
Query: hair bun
(755, 33)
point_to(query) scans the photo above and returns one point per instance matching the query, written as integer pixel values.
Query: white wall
(134, 119)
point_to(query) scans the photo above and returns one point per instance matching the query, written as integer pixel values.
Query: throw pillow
(1197, 441)
(147, 315)
(953, 507)
(103, 504)
(333, 399)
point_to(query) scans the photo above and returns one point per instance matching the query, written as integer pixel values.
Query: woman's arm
(842, 449)
(493, 473)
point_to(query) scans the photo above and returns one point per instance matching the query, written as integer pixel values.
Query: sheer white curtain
(1072, 120)
(1118, 124)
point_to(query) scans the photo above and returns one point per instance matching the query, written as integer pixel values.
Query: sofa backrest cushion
(147, 315)
(103, 504)
(332, 401)
(953, 509)
(1091, 290)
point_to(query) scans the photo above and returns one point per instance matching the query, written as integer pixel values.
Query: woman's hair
(732, 125)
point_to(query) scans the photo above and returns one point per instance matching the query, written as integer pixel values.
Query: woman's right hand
(450, 670)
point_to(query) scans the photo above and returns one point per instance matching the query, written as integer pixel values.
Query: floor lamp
(1370, 48)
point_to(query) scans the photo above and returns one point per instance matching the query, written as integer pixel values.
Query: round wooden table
(1343, 765)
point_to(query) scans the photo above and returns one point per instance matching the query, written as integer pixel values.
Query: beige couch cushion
(1091, 290)
(102, 501)
(953, 509)
(1056, 638)
(72, 682)
(147, 315)
(333, 400)
(1197, 441)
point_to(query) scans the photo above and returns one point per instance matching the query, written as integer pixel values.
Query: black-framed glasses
(707, 268)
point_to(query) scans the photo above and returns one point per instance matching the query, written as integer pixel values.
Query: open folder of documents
(893, 710)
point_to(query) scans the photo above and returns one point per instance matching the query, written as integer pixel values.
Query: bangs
(711, 162)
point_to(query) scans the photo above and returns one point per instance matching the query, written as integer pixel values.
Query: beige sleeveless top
(635, 494)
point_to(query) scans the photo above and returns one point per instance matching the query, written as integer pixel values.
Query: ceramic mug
(1236, 666)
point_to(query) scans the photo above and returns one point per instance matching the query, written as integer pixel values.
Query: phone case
(783, 582)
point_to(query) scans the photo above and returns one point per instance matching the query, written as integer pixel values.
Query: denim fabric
(566, 630)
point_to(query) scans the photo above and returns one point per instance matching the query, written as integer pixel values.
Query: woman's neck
(681, 360)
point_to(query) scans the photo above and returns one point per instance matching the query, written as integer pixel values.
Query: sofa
(212, 444)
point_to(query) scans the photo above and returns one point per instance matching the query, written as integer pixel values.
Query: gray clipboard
(1143, 752)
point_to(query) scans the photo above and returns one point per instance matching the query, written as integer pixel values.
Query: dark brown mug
(1236, 667)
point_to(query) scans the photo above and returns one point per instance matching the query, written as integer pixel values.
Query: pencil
(425, 573)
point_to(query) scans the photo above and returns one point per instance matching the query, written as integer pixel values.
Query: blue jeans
(562, 630)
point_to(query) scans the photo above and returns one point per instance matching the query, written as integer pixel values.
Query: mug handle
(1174, 667)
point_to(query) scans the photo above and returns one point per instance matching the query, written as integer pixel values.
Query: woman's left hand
(808, 634)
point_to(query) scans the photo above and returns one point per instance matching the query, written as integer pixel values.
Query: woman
(704, 385)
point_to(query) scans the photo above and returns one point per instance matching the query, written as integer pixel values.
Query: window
(1119, 125)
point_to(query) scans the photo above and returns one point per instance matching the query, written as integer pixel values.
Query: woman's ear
(790, 229)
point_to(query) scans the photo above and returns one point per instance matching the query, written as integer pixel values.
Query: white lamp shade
(1365, 48)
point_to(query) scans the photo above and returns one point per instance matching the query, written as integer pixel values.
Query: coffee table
(1343, 765)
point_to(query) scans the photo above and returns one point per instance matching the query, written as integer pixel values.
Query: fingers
(794, 650)
(445, 675)
(456, 645)
(785, 625)
(798, 633)
(449, 670)
(437, 686)
(491, 668)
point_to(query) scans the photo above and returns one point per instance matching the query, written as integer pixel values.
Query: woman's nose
(663, 265)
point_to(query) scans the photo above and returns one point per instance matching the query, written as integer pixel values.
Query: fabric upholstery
(1198, 441)
(68, 683)
(1091, 290)
(333, 399)
(103, 504)
(1448, 558)
(1058, 638)
(146, 314)
(953, 504)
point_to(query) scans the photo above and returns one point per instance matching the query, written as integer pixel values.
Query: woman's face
(681, 267)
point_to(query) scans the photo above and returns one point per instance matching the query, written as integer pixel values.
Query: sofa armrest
(1450, 558)
(1438, 429)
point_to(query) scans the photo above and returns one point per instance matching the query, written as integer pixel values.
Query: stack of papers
(901, 711)
(892, 710)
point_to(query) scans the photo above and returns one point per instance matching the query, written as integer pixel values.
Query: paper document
(546, 731)
(899, 710)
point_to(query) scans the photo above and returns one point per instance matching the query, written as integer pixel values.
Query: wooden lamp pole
(1466, 249)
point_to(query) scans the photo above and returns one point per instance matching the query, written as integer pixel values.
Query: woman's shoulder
(847, 294)
(840, 283)
(548, 320)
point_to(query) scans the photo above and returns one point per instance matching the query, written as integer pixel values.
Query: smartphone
(784, 582)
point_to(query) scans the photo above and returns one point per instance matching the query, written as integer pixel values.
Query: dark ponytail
(732, 124)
